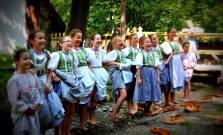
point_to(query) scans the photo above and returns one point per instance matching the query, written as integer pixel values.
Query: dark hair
(32, 35)
(74, 32)
(169, 29)
(184, 43)
(18, 53)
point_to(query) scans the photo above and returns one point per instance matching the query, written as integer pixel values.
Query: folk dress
(24, 92)
(175, 66)
(189, 59)
(149, 90)
(71, 87)
(131, 53)
(119, 77)
(81, 67)
(51, 113)
(101, 75)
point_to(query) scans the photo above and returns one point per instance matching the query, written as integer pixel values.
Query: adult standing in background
(192, 39)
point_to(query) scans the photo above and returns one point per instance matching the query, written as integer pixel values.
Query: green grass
(173, 132)
(187, 124)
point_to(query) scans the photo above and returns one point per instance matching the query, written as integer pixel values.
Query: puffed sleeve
(104, 57)
(139, 60)
(157, 61)
(88, 56)
(126, 51)
(54, 61)
(111, 56)
(13, 90)
(166, 48)
(193, 60)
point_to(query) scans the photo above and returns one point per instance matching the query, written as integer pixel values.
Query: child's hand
(189, 66)
(185, 68)
(56, 78)
(31, 111)
(47, 89)
(32, 71)
(166, 62)
(117, 65)
(139, 82)
(76, 73)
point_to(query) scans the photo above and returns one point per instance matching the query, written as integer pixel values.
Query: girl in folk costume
(51, 113)
(130, 53)
(98, 56)
(25, 95)
(84, 69)
(62, 63)
(120, 75)
(147, 89)
(141, 42)
(175, 64)
(189, 62)
(163, 70)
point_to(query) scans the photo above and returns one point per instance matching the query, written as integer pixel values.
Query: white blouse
(166, 47)
(112, 55)
(139, 60)
(89, 59)
(127, 52)
(54, 61)
(98, 57)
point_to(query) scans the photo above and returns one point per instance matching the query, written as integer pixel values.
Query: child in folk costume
(62, 63)
(84, 69)
(25, 95)
(163, 70)
(120, 75)
(98, 56)
(175, 64)
(130, 53)
(147, 89)
(189, 62)
(51, 113)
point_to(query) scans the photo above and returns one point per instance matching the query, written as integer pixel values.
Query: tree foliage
(151, 15)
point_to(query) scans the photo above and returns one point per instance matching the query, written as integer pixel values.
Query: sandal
(175, 119)
(159, 131)
(193, 108)
(205, 100)
(174, 107)
(156, 111)
(187, 103)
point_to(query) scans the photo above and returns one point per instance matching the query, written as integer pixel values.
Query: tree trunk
(123, 20)
(78, 17)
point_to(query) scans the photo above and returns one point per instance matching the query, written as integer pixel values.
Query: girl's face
(77, 39)
(154, 40)
(171, 34)
(147, 44)
(38, 42)
(97, 41)
(134, 41)
(186, 48)
(119, 44)
(24, 61)
(66, 45)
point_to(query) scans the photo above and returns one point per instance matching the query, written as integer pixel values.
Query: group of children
(46, 87)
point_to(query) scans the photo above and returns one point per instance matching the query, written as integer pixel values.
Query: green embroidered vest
(148, 60)
(132, 54)
(159, 51)
(81, 56)
(34, 62)
(175, 47)
(66, 65)
(120, 57)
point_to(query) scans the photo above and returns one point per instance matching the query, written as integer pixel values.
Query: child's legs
(185, 90)
(120, 100)
(83, 111)
(172, 96)
(69, 111)
(188, 88)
